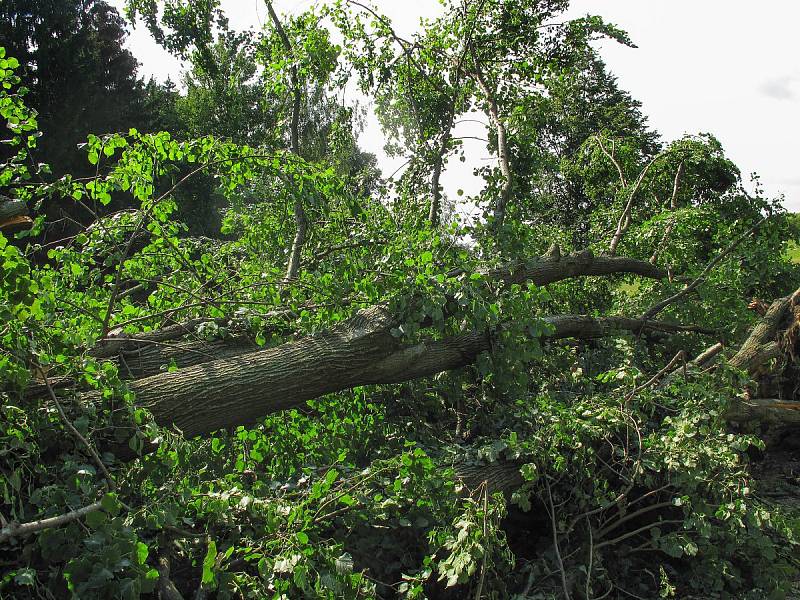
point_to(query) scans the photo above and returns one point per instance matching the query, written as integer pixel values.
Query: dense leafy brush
(365, 493)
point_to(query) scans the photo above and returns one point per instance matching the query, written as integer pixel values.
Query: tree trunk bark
(361, 351)
(247, 385)
(12, 208)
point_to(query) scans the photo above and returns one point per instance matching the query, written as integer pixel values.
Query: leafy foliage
(615, 487)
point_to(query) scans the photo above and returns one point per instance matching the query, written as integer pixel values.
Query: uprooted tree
(350, 392)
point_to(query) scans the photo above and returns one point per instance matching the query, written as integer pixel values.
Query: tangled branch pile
(349, 393)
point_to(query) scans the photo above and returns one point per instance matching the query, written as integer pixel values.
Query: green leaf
(96, 519)
(209, 562)
(141, 552)
(110, 504)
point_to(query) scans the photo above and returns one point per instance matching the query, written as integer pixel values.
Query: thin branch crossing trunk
(435, 213)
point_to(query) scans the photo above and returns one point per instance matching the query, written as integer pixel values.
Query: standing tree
(81, 79)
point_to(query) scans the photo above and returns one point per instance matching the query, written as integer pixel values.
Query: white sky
(727, 67)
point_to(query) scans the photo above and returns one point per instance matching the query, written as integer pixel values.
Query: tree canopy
(260, 368)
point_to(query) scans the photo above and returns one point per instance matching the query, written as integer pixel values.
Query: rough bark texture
(242, 389)
(361, 351)
(117, 343)
(148, 360)
(501, 476)
(768, 340)
(768, 411)
(12, 208)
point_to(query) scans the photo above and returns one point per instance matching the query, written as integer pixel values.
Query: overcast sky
(727, 67)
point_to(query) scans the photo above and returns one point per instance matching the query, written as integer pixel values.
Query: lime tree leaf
(209, 577)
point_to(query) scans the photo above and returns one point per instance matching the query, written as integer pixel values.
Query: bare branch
(19, 529)
(625, 218)
(559, 560)
(301, 220)
(68, 424)
(610, 156)
(673, 203)
(502, 143)
(680, 356)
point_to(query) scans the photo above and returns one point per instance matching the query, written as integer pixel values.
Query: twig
(118, 276)
(111, 483)
(673, 203)
(704, 358)
(591, 557)
(610, 156)
(678, 357)
(184, 533)
(479, 590)
(555, 541)
(637, 513)
(630, 534)
(624, 222)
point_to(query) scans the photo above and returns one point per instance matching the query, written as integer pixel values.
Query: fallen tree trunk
(145, 353)
(143, 357)
(13, 215)
(362, 351)
(12, 208)
(245, 386)
(769, 411)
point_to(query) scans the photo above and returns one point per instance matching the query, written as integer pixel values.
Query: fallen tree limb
(704, 358)
(541, 271)
(501, 476)
(20, 529)
(144, 354)
(549, 269)
(239, 390)
(769, 411)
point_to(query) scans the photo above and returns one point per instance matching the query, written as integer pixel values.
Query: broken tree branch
(20, 529)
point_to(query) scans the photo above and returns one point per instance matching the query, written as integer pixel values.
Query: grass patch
(793, 252)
